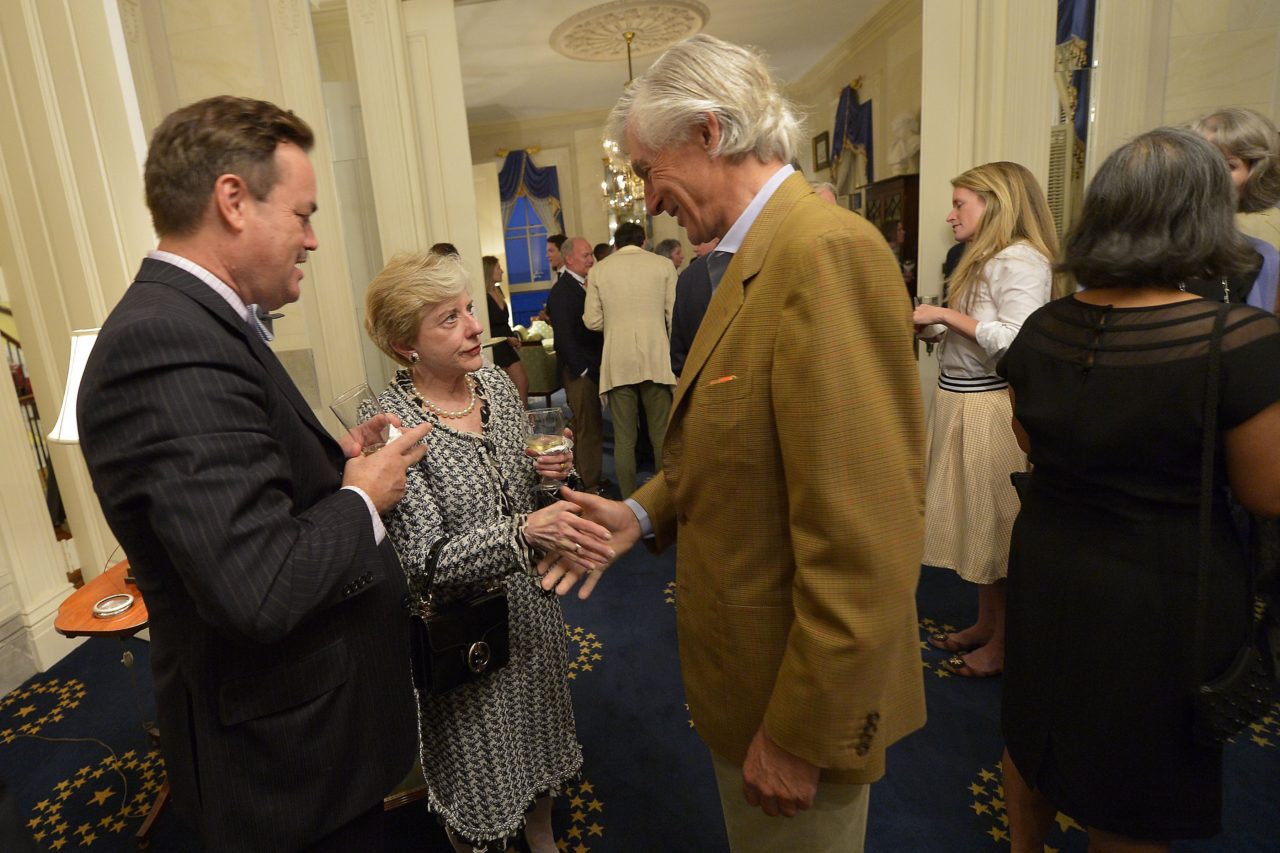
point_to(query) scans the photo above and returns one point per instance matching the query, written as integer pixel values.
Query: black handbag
(460, 641)
(1241, 695)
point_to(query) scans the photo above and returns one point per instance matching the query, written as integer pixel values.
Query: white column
(1130, 49)
(415, 123)
(72, 226)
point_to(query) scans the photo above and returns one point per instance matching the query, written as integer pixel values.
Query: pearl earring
(413, 357)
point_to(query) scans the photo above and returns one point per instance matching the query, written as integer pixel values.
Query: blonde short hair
(401, 295)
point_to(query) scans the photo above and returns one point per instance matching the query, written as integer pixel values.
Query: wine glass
(355, 406)
(545, 434)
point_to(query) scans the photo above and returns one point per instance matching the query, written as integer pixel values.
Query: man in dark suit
(579, 351)
(693, 295)
(279, 642)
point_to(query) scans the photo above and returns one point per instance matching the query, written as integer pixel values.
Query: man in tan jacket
(792, 466)
(630, 299)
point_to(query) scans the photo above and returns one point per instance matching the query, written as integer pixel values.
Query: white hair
(703, 75)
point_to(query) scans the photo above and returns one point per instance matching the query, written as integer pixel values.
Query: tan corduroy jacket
(792, 474)
(630, 295)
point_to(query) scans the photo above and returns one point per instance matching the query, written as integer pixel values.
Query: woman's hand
(515, 342)
(956, 321)
(560, 529)
(556, 466)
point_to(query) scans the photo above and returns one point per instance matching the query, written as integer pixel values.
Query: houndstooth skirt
(970, 504)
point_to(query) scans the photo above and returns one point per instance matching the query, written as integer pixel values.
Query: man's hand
(616, 517)
(370, 433)
(775, 780)
(380, 475)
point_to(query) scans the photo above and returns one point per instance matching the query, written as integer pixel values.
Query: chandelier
(623, 190)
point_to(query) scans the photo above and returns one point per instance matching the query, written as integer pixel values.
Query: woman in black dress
(504, 353)
(1108, 389)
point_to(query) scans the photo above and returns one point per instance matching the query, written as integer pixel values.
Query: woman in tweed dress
(494, 751)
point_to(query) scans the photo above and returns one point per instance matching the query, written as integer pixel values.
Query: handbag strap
(425, 580)
(1208, 448)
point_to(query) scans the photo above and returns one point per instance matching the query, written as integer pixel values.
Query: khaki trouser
(623, 407)
(583, 394)
(837, 823)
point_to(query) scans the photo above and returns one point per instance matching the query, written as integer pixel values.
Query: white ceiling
(510, 71)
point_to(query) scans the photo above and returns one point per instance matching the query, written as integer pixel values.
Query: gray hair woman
(487, 776)
(1109, 388)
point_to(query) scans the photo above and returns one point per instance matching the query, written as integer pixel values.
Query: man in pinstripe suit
(279, 642)
(800, 399)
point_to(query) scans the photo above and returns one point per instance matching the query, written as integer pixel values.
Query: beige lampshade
(65, 430)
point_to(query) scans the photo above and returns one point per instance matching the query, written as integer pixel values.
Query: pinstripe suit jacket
(279, 644)
(800, 397)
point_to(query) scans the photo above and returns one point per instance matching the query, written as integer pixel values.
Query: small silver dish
(112, 605)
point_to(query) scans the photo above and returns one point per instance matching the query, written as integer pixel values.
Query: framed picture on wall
(854, 200)
(822, 151)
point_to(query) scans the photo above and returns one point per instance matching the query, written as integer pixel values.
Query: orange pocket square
(722, 380)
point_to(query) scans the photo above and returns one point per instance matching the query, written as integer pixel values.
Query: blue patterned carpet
(81, 771)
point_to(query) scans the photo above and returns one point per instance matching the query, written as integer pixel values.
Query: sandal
(956, 665)
(942, 640)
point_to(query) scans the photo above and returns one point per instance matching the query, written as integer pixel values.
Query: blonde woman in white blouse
(1000, 212)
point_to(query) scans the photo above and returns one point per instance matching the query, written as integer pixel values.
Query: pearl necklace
(424, 403)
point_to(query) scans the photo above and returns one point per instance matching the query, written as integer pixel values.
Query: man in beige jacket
(630, 299)
(792, 467)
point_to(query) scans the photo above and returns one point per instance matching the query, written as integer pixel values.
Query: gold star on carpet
(83, 828)
(88, 839)
(998, 834)
(561, 844)
(595, 805)
(949, 629)
(975, 788)
(576, 802)
(579, 816)
(943, 672)
(926, 622)
(979, 807)
(587, 787)
(1003, 817)
(597, 656)
(118, 826)
(106, 822)
(581, 848)
(572, 676)
(42, 805)
(575, 831)
(1065, 823)
(33, 823)
(595, 829)
(586, 667)
(669, 600)
(39, 836)
(62, 795)
(59, 844)
(986, 775)
(83, 770)
(597, 645)
(24, 711)
(1261, 741)
(997, 803)
(100, 797)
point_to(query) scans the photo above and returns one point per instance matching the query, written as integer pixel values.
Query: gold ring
(577, 547)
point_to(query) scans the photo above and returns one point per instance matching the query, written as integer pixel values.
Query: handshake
(580, 536)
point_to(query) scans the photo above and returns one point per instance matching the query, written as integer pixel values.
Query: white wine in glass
(545, 434)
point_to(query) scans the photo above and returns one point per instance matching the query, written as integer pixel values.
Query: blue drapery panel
(852, 132)
(519, 177)
(1075, 50)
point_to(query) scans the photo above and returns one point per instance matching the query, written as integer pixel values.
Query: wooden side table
(76, 619)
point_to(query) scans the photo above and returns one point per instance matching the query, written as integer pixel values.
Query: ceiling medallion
(596, 34)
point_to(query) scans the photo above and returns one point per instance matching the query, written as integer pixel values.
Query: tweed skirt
(970, 505)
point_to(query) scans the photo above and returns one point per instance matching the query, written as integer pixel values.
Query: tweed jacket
(630, 299)
(800, 398)
(279, 644)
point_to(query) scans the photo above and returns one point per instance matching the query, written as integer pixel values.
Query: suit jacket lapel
(195, 289)
(743, 267)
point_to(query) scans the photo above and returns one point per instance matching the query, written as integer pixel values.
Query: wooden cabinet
(893, 201)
